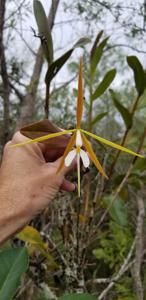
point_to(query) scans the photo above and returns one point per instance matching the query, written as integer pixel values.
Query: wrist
(10, 219)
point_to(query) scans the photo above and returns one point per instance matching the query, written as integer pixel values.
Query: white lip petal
(85, 158)
(70, 157)
(79, 142)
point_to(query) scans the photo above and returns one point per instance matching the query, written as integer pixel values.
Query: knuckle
(16, 137)
(6, 147)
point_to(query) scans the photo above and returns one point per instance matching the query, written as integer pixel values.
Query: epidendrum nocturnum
(78, 140)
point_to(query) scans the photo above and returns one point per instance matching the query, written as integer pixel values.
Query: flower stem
(79, 175)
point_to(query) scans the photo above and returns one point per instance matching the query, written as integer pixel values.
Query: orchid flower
(78, 140)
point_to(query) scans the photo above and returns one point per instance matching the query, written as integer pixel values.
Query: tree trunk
(4, 78)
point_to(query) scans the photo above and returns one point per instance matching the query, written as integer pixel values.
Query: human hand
(28, 182)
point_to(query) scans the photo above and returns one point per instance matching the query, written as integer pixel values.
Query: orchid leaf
(43, 138)
(142, 100)
(58, 64)
(139, 73)
(93, 156)
(98, 37)
(44, 31)
(99, 117)
(105, 83)
(80, 96)
(97, 54)
(111, 144)
(82, 42)
(124, 112)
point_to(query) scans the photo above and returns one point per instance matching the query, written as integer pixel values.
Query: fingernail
(73, 187)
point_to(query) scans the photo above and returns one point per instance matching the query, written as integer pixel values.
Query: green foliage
(13, 263)
(96, 53)
(113, 246)
(77, 297)
(44, 31)
(124, 112)
(105, 83)
(139, 73)
(139, 166)
(124, 288)
(58, 64)
(93, 49)
(117, 211)
(99, 117)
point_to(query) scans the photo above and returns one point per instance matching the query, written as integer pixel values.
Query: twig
(17, 92)
(25, 42)
(55, 248)
(124, 46)
(56, 90)
(139, 249)
(23, 289)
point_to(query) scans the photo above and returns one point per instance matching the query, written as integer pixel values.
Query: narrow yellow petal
(67, 150)
(109, 143)
(43, 138)
(93, 156)
(80, 95)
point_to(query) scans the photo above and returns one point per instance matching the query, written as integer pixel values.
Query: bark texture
(5, 86)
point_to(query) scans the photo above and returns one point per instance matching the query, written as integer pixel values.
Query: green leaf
(58, 64)
(99, 253)
(97, 54)
(118, 211)
(142, 100)
(44, 31)
(82, 42)
(99, 117)
(13, 263)
(77, 297)
(139, 74)
(98, 37)
(124, 112)
(139, 166)
(107, 80)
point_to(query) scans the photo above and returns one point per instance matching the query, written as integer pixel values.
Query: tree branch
(139, 249)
